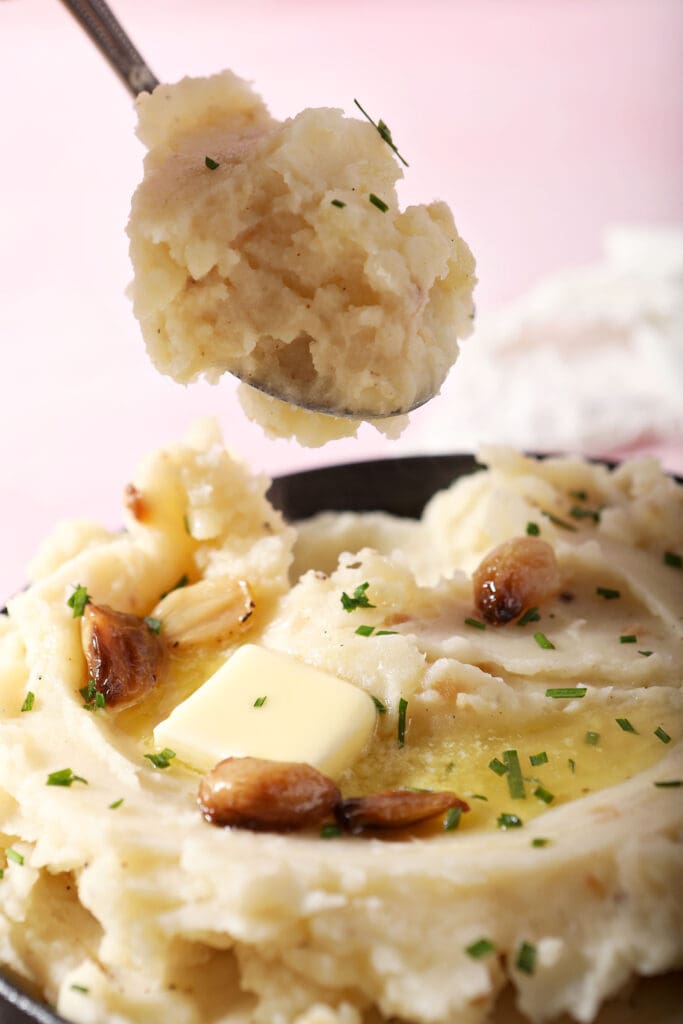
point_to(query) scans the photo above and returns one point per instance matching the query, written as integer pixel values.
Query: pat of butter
(307, 715)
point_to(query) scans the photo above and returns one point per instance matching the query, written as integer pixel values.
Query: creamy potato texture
(121, 904)
(278, 251)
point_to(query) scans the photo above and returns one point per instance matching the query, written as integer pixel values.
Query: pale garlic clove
(211, 611)
(123, 654)
(514, 576)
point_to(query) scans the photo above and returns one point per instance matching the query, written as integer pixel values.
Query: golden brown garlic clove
(208, 612)
(266, 796)
(124, 656)
(394, 809)
(517, 574)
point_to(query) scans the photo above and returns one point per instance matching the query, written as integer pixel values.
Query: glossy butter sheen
(307, 715)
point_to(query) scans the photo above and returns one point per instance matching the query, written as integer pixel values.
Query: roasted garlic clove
(209, 612)
(124, 655)
(517, 574)
(266, 796)
(394, 809)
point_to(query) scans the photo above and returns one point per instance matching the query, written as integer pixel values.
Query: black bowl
(401, 486)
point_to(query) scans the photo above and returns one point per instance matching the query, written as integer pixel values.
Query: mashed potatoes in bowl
(520, 647)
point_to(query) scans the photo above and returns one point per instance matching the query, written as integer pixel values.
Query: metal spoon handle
(95, 17)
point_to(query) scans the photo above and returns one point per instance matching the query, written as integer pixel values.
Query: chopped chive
(530, 615)
(386, 632)
(526, 958)
(80, 988)
(646, 654)
(514, 780)
(13, 855)
(475, 623)
(543, 642)
(624, 724)
(544, 795)
(381, 708)
(379, 203)
(162, 759)
(117, 803)
(78, 600)
(2, 873)
(92, 698)
(384, 132)
(452, 819)
(211, 164)
(402, 706)
(479, 796)
(338, 203)
(358, 599)
(179, 583)
(506, 821)
(64, 777)
(672, 559)
(592, 738)
(330, 831)
(576, 512)
(566, 691)
(669, 784)
(662, 735)
(539, 841)
(153, 624)
(579, 495)
(29, 701)
(186, 524)
(498, 767)
(260, 701)
(572, 765)
(532, 529)
(607, 593)
(557, 521)
(365, 630)
(628, 638)
(100, 700)
(480, 948)
(537, 759)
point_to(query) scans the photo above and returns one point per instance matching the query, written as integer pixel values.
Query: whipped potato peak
(277, 251)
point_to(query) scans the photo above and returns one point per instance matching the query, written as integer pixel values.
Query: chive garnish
(607, 593)
(542, 641)
(662, 735)
(153, 624)
(13, 855)
(506, 821)
(359, 598)
(672, 559)
(211, 164)
(526, 958)
(379, 203)
(530, 615)
(576, 512)
(78, 600)
(92, 698)
(186, 524)
(537, 759)
(381, 708)
(384, 131)
(539, 841)
(592, 738)
(669, 784)
(514, 779)
(452, 819)
(117, 803)
(572, 765)
(544, 795)
(566, 691)
(80, 988)
(579, 495)
(260, 701)
(162, 759)
(624, 724)
(64, 777)
(480, 948)
(498, 767)
(557, 521)
(475, 623)
(338, 203)
(402, 707)
(330, 831)
(479, 796)
(386, 632)
(628, 638)
(182, 582)
(532, 529)
(365, 630)
(29, 701)
(646, 654)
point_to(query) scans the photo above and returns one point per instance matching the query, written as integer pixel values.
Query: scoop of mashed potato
(122, 905)
(277, 251)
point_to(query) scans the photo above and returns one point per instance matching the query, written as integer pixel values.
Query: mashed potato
(123, 906)
(278, 252)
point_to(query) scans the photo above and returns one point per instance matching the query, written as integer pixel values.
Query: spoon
(100, 23)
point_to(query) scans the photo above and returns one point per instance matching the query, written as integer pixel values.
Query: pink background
(539, 121)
